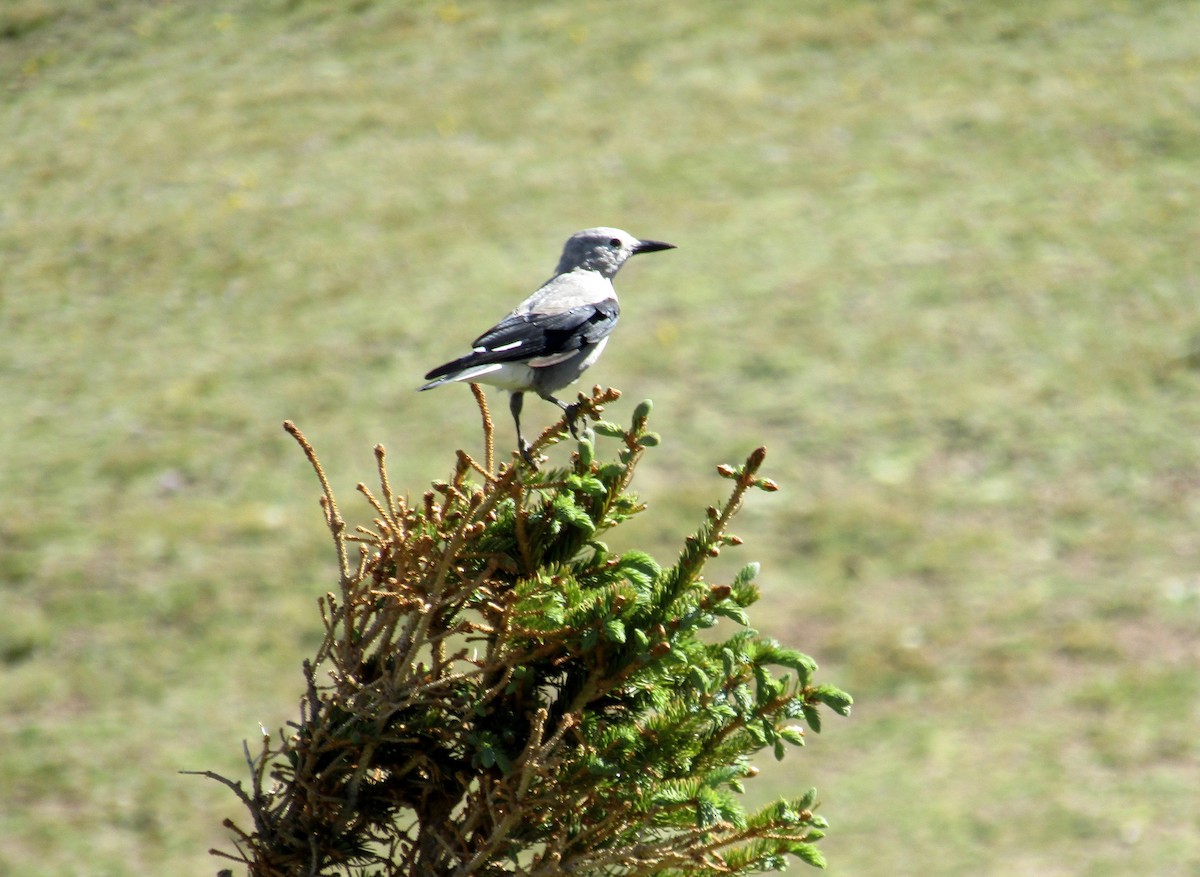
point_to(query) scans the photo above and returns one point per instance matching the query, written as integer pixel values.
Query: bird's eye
(615, 243)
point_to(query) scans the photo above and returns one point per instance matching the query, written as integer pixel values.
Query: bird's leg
(572, 411)
(515, 401)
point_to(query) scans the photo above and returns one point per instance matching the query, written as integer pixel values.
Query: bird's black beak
(651, 247)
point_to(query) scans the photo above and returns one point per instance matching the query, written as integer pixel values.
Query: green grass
(940, 259)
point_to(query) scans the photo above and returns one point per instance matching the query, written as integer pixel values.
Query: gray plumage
(550, 338)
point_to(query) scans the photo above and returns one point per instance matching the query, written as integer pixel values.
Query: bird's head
(604, 250)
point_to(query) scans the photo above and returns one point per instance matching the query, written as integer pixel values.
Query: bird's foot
(523, 448)
(572, 412)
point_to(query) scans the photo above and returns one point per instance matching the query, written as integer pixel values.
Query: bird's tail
(455, 371)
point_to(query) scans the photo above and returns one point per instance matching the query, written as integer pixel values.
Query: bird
(550, 338)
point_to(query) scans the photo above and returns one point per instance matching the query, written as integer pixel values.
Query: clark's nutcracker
(556, 333)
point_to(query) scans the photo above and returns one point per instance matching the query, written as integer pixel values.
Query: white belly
(515, 377)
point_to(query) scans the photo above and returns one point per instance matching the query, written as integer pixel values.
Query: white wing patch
(504, 347)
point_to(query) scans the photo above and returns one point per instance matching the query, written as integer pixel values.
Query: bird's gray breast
(551, 378)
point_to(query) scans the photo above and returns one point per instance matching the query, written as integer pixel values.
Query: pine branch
(499, 694)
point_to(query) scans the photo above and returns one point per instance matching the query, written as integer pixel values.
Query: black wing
(520, 337)
(524, 336)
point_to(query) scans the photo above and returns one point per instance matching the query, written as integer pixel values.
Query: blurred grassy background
(940, 258)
